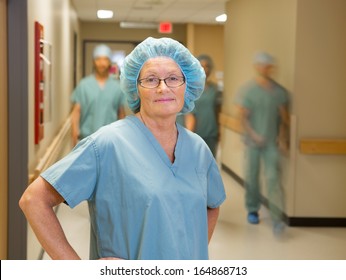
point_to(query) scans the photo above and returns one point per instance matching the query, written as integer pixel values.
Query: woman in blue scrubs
(153, 187)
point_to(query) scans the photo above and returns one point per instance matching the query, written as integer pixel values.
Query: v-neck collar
(101, 88)
(156, 145)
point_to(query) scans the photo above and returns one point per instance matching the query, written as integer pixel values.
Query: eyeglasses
(154, 82)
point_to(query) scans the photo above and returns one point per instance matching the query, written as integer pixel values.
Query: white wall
(252, 26)
(60, 23)
(320, 105)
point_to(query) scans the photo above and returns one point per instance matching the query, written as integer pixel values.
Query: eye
(174, 78)
(151, 80)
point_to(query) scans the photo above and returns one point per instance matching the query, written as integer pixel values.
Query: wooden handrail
(309, 146)
(53, 151)
(323, 146)
(231, 123)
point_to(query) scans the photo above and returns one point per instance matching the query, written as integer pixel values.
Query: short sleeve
(75, 176)
(284, 97)
(218, 98)
(216, 190)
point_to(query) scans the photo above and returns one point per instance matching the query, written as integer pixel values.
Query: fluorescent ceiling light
(139, 25)
(104, 14)
(221, 18)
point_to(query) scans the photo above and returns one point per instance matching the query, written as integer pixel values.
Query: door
(3, 131)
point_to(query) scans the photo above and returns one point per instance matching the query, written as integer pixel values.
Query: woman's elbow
(25, 201)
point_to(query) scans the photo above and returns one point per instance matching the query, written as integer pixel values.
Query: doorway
(3, 131)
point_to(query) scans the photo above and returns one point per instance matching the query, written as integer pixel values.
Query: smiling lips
(167, 99)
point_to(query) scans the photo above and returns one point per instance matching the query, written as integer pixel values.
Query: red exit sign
(165, 27)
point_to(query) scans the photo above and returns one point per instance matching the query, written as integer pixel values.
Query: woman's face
(163, 100)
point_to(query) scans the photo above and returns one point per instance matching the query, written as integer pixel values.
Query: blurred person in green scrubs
(263, 107)
(207, 107)
(98, 99)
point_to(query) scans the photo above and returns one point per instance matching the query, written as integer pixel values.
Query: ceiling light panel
(104, 14)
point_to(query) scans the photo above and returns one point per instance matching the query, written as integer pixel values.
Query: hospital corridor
(261, 85)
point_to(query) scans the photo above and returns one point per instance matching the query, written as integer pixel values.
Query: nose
(162, 86)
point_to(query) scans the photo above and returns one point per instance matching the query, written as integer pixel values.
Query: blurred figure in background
(208, 107)
(187, 120)
(204, 118)
(263, 107)
(98, 99)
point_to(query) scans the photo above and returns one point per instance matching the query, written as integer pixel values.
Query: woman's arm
(37, 203)
(244, 118)
(213, 214)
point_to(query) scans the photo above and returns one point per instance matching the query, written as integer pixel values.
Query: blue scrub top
(99, 106)
(141, 205)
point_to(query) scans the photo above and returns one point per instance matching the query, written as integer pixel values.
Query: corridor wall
(308, 41)
(208, 39)
(60, 26)
(320, 97)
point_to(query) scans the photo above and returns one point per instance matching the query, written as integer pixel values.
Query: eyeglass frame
(159, 81)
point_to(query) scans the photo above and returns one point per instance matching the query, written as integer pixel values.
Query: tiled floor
(234, 238)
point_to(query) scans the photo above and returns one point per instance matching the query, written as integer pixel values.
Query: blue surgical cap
(263, 58)
(102, 50)
(163, 47)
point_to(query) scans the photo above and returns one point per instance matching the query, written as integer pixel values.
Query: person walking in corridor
(208, 107)
(263, 105)
(204, 118)
(153, 187)
(98, 99)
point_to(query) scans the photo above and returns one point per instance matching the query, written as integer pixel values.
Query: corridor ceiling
(152, 11)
